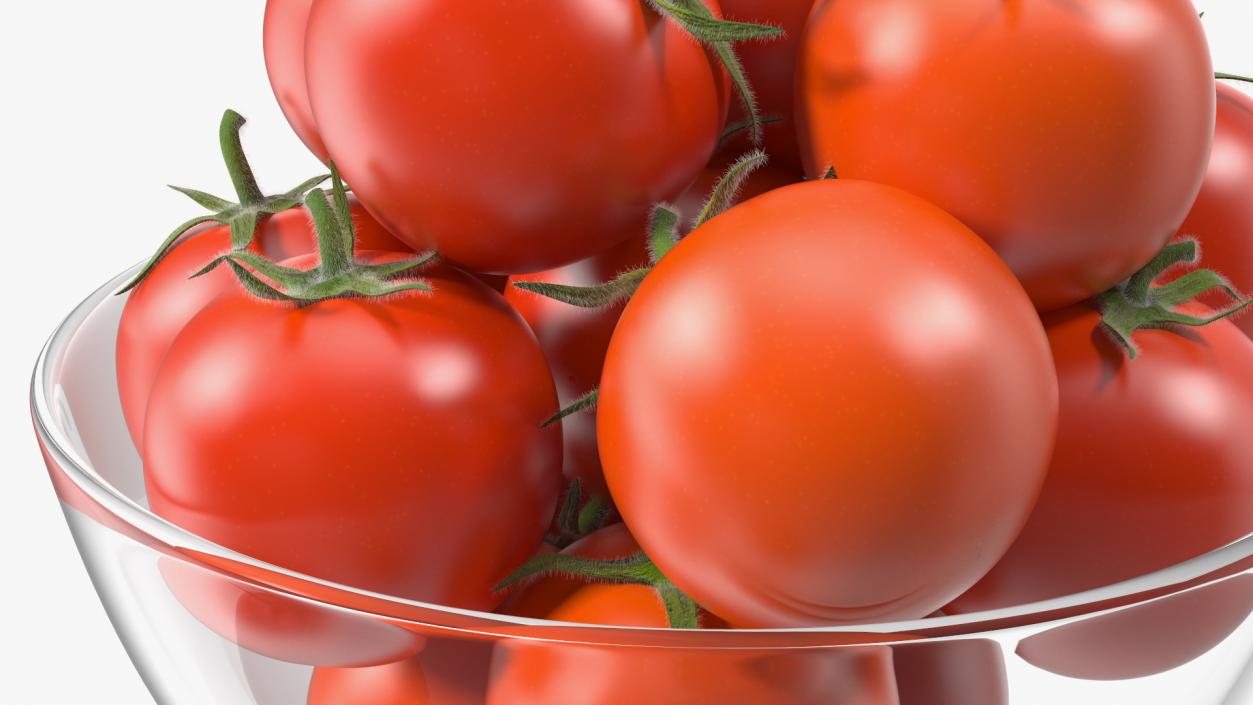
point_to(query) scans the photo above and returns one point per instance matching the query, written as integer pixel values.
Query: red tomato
(285, 24)
(1072, 136)
(831, 404)
(389, 444)
(518, 136)
(572, 674)
(166, 300)
(771, 68)
(575, 340)
(1153, 466)
(1222, 217)
(958, 672)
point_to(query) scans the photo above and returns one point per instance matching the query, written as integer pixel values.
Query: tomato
(162, 305)
(575, 339)
(1153, 466)
(831, 404)
(512, 137)
(391, 444)
(1222, 217)
(574, 674)
(285, 24)
(956, 672)
(771, 68)
(1071, 136)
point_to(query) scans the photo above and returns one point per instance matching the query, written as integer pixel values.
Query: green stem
(237, 165)
(1232, 77)
(587, 402)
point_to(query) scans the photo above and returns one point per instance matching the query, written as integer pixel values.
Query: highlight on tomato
(1077, 175)
(286, 22)
(516, 137)
(371, 419)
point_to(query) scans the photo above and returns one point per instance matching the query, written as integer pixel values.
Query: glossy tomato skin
(1077, 175)
(388, 444)
(575, 340)
(1153, 466)
(286, 22)
(850, 386)
(771, 69)
(537, 673)
(401, 683)
(1222, 217)
(512, 137)
(162, 305)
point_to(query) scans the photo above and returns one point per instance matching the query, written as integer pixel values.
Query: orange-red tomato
(572, 674)
(448, 672)
(285, 24)
(831, 404)
(391, 444)
(517, 136)
(1153, 466)
(771, 68)
(1222, 217)
(1072, 136)
(162, 305)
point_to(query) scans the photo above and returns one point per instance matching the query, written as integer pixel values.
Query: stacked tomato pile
(950, 349)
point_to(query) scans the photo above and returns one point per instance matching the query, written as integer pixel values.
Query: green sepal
(734, 129)
(681, 611)
(729, 186)
(1139, 304)
(663, 231)
(830, 174)
(587, 402)
(614, 292)
(593, 515)
(719, 35)
(243, 218)
(1232, 77)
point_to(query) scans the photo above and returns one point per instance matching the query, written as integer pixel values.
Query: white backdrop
(104, 103)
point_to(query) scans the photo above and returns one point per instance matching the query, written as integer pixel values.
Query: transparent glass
(207, 626)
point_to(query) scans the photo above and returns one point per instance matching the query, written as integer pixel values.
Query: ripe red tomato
(771, 68)
(1153, 466)
(162, 305)
(1222, 217)
(447, 672)
(957, 672)
(285, 24)
(390, 444)
(573, 674)
(1071, 136)
(516, 136)
(830, 404)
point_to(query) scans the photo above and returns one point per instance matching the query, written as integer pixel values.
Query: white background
(103, 104)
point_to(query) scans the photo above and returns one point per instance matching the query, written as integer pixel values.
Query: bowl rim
(1213, 566)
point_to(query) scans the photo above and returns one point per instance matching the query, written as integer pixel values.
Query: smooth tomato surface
(1154, 461)
(286, 22)
(831, 404)
(158, 309)
(1076, 174)
(447, 672)
(1222, 217)
(771, 69)
(388, 444)
(512, 137)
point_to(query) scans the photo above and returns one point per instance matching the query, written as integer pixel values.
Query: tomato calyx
(577, 518)
(1138, 303)
(243, 217)
(720, 36)
(636, 569)
(338, 274)
(1232, 77)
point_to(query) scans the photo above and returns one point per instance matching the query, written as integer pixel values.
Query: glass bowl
(207, 626)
